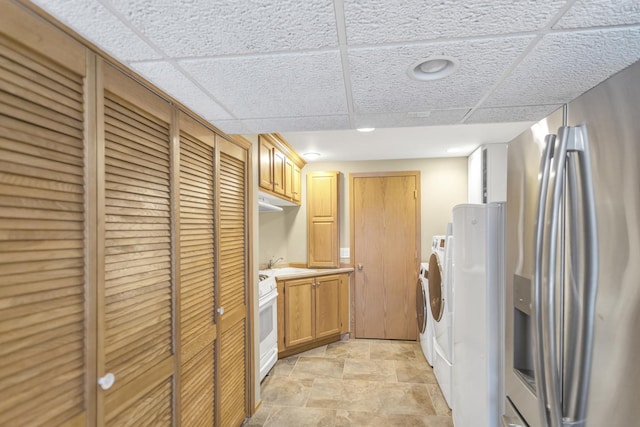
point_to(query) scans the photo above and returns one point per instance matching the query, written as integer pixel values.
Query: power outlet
(344, 252)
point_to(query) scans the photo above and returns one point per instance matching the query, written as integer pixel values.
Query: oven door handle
(266, 299)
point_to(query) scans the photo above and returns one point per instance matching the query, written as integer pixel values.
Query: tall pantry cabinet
(124, 245)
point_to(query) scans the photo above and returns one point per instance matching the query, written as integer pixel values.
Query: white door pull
(107, 381)
(220, 310)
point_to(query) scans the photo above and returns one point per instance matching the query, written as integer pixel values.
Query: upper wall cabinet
(280, 168)
(323, 230)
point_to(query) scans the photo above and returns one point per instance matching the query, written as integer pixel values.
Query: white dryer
(425, 320)
(441, 301)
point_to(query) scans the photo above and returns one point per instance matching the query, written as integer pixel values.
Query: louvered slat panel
(233, 375)
(232, 232)
(196, 266)
(198, 389)
(152, 410)
(233, 361)
(137, 277)
(42, 305)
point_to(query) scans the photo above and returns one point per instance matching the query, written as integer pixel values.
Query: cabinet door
(196, 284)
(265, 166)
(279, 179)
(299, 311)
(322, 219)
(327, 306)
(233, 280)
(135, 289)
(288, 178)
(46, 330)
(296, 184)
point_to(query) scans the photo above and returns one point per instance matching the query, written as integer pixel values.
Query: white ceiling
(309, 68)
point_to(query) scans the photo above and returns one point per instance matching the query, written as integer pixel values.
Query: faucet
(272, 263)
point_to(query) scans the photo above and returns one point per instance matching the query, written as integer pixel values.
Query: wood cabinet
(124, 234)
(323, 231)
(312, 311)
(292, 181)
(279, 168)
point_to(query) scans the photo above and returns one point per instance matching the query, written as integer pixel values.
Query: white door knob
(107, 381)
(220, 310)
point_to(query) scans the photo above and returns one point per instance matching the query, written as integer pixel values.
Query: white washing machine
(441, 301)
(425, 320)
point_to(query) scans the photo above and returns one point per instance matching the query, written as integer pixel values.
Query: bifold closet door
(233, 366)
(135, 289)
(197, 297)
(43, 301)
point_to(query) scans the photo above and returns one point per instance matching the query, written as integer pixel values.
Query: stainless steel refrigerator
(572, 332)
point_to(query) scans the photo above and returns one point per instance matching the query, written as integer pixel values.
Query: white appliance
(268, 319)
(425, 320)
(440, 298)
(572, 272)
(478, 325)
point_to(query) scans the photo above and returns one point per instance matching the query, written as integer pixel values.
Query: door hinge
(415, 194)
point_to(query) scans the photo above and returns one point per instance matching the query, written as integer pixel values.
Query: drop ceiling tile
(380, 82)
(564, 65)
(296, 124)
(217, 27)
(285, 85)
(97, 24)
(415, 20)
(163, 74)
(431, 118)
(593, 13)
(232, 127)
(525, 113)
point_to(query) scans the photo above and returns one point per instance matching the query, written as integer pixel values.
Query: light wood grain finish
(197, 397)
(279, 168)
(233, 284)
(138, 288)
(299, 311)
(327, 304)
(122, 223)
(42, 243)
(323, 229)
(197, 249)
(385, 226)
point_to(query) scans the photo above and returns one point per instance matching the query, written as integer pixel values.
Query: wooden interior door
(135, 288)
(386, 247)
(196, 284)
(45, 305)
(233, 279)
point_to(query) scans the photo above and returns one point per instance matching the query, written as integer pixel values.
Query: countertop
(289, 273)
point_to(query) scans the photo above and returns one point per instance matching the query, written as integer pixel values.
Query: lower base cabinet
(312, 311)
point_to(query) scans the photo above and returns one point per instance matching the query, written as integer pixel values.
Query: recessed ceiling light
(311, 156)
(434, 68)
(366, 129)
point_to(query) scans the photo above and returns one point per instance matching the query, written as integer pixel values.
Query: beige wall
(443, 185)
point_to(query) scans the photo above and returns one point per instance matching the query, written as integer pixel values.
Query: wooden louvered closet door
(136, 340)
(197, 299)
(233, 279)
(43, 312)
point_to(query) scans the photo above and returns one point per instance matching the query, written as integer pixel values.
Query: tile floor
(353, 383)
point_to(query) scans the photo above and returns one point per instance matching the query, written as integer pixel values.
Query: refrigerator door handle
(539, 368)
(548, 303)
(579, 372)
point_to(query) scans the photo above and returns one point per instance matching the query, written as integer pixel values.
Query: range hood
(270, 203)
(264, 206)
